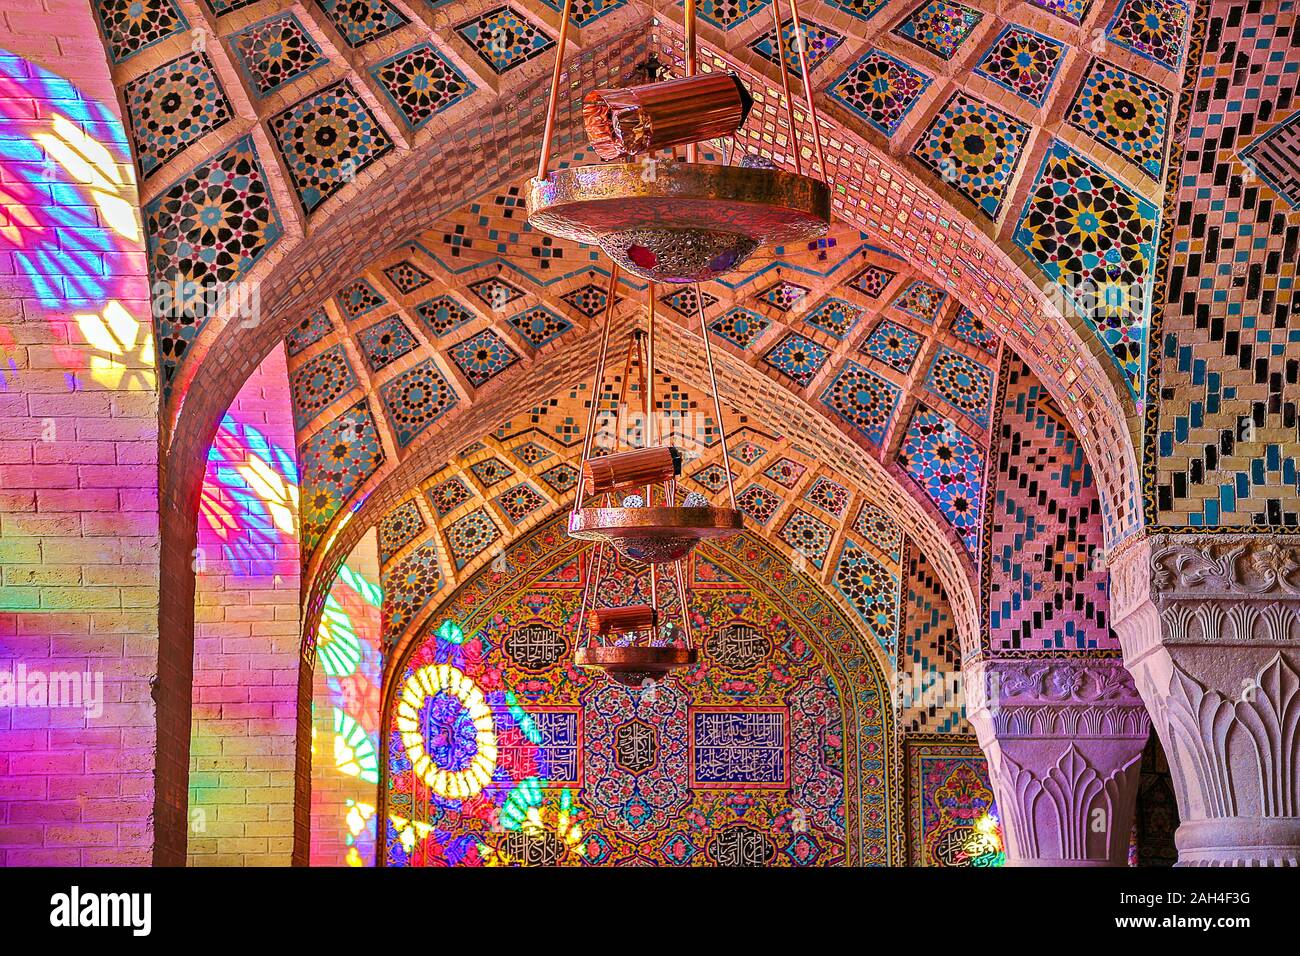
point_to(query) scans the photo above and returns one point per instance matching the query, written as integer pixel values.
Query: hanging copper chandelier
(671, 222)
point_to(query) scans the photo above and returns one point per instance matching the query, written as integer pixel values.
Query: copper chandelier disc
(655, 535)
(678, 222)
(635, 664)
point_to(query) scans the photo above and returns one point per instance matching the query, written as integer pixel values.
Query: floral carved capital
(1229, 566)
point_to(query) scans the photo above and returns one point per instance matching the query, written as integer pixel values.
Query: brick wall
(78, 455)
(243, 721)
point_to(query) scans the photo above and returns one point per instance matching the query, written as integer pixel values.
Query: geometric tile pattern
(409, 586)
(1073, 10)
(828, 495)
(894, 344)
(819, 43)
(586, 11)
(747, 452)
(787, 472)
(504, 38)
(131, 25)
(727, 13)
(1023, 62)
(496, 293)
(326, 140)
(468, 536)
(970, 328)
(783, 295)
(276, 51)
(589, 300)
(362, 21)
(835, 317)
(1044, 589)
(539, 325)
(421, 82)
(1125, 113)
(872, 281)
(443, 314)
(407, 277)
(308, 332)
(975, 149)
(861, 9)
(398, 529)
(334, 463)
(562, 477)
(880, 529)
(491, 470)
(921, 300)
(1096, 240)
(1224, 395)
(172, 106)
(712, 477)
(482, 356)
(797, 357)
(449, 495)
(1275, 158)
(1153, 29)
(948, 465)
(531, 453)
(863, 399)
(520, 501)
(758, 502)
(385, 342)
(807, 535)
(685, 302)
(208, 229)
(317, 384)
(358, 298)
(963, 383)
(415, 399)
(740, 326)
(872, 590)
(880, 89)
(222, 7)
(939, 26)
(930, 655)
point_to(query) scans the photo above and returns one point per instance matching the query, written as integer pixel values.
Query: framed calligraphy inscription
(739, 747)
(555, 755)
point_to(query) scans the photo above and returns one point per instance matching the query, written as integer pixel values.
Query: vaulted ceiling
(354, 164)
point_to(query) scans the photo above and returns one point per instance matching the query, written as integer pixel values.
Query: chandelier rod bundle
(785, 90)
(800, 46)
(610, 299)
(713, 387)
(552, 104)
(691, 63)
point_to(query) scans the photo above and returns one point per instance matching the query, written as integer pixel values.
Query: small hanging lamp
(626, 501)
(675, 222)
(671, 222)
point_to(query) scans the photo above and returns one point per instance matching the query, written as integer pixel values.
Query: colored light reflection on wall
(250, 495)
(457, 718)
(69, 199)
(984, 845)
(348, 653)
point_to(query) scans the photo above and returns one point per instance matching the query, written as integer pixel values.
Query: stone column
(1210, 627)
(1064, 739)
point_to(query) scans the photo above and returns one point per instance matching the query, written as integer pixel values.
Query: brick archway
(877, 188)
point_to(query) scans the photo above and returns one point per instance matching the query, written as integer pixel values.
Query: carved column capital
(1210, 628)
(1064, 739)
